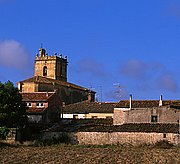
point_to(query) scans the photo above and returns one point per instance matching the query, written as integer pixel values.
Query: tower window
(75, 116)
(44, 71)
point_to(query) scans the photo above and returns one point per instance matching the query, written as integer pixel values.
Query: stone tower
(53, 67)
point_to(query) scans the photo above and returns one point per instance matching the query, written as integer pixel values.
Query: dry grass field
(74, 154)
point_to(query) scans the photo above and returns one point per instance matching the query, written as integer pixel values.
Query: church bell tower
(54, 67)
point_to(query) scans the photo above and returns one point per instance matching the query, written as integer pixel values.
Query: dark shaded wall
(68, 95)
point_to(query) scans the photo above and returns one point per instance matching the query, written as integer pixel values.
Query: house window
(44, 71)
(39, 105)
(154, 119)
(75, 116)
(108, 117)
(28, 104)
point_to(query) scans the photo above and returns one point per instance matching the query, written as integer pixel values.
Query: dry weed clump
(163, 144)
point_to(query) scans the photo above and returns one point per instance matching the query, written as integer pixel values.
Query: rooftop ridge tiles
(150, 100)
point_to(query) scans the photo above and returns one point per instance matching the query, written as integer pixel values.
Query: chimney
(89, 97)
(46, 94)
(63, 106)
(160, 101)
(130, 101)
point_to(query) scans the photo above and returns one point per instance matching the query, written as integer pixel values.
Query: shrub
(3, 132)
(163, 144)
(63, 139)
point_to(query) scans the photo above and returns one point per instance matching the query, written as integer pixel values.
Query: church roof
(40, 79)
(146, 103)
(89, 107)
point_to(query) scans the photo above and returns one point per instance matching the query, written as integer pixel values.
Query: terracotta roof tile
(90, 107)
(36, 110)
(145, 103)
(36, 96)
(143, 127)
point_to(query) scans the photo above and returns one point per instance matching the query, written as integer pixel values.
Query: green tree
(12, 109)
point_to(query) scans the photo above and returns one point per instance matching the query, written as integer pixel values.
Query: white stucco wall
(80, 116)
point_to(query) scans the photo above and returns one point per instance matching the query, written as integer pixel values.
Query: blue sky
(134, 44)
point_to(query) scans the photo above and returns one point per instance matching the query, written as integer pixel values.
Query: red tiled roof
(40, 79)
(36, 96)
(145, 103)
(90, 107)
(142, 127)
(36, 110)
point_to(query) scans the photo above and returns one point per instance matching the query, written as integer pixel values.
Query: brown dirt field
(88, 154)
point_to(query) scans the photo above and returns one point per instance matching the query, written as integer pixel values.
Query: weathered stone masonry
(145, 115)
(102, 138)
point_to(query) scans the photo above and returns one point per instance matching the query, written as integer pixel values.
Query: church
(50, 77)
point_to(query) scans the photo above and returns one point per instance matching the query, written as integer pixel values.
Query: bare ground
(71, 154)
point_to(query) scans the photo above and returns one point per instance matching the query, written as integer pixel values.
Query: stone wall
(102, 138)
(144, 115)
(56, 67)
(28, 87)
(169, 115)
(119, 117)
(49, 63)
(138, 116)
(68, 95)
(11, 135)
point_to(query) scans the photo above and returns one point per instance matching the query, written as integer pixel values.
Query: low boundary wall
(102, 138)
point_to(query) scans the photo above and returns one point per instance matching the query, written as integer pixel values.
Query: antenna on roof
(91, 88)
(99, 93)
(41, 45)
(118, 90)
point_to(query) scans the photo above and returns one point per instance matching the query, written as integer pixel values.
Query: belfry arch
(45, 71)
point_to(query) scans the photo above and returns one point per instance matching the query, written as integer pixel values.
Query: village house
(135, 122)
(50, 73)
(88, 109)
(49, 97)
(42, 107)
(147, 111)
